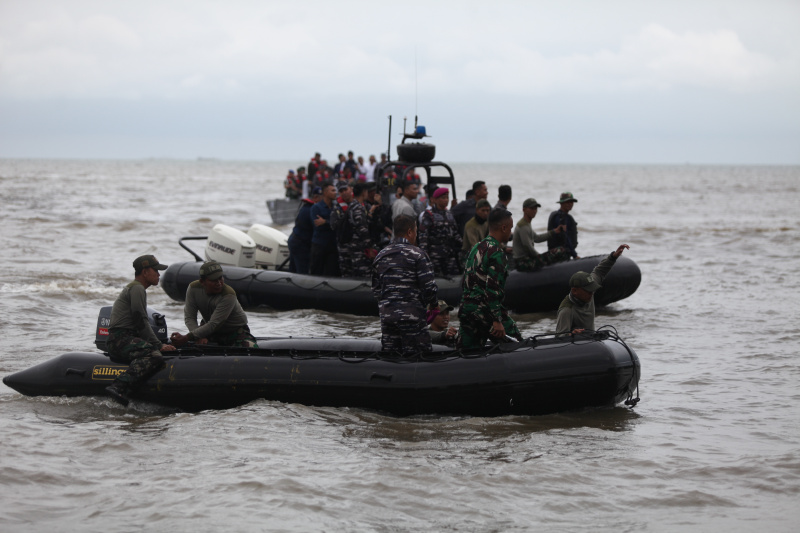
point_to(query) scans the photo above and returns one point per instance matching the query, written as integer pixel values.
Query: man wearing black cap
(131, 340)
(576, 312)
(526, 258)
(224, 321)
(568, 239)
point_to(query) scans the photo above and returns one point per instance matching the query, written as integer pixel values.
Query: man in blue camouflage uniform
(404, 285)
(438, 235)
(361, 249)
(340, 224)
(481, 314)
(131, 340)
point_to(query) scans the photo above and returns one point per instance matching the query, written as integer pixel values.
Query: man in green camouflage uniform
(224, 321)
(481, 314)
(576, 312)
(131, 340)
(526, 258)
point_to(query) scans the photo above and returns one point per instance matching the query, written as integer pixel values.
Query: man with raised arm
(576, 312)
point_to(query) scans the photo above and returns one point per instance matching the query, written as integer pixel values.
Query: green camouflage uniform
(483, 291)
(131, 339)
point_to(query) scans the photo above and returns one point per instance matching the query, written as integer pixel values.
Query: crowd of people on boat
(300, 183)
(344, 228)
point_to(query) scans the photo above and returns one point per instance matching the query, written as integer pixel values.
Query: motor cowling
(230, 246)
(157, 321)
(272, 246)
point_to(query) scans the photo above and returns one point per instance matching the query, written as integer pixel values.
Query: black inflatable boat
(538, 376)
(526, 292)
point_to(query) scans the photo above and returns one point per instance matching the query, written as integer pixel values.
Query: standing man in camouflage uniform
(341, 228)
(568, 239)
(482, 315)
(224, 321)
(130, 338)
(526, 258)
(438, 235)
(404, 285)
(360, 248)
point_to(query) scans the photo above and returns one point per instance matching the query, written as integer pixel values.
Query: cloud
(205, 51)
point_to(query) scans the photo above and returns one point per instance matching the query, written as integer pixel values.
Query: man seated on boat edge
(481, 314)
(404, 285)
(224, 322)
(131, 340)
(576, 312)
(439, 327)
(526, 258)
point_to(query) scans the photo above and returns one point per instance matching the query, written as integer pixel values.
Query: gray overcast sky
(542, 81)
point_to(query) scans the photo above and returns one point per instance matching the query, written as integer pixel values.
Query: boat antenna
(416, 89)
(389, 143)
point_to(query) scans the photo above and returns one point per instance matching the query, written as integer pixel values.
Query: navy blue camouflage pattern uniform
(440, 239)
(403, 283)
(360, 264)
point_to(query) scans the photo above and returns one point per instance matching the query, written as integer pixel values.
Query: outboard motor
(272, 246)
(229, 246)
(157, 321)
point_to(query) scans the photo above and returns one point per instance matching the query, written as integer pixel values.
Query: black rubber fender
(416, 152)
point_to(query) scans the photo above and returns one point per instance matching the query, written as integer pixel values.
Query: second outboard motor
(272, 246)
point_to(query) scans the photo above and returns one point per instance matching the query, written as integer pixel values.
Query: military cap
(211, 270)
(531, 203)
(566, 197)
(444, 306)
(585, 281)
(147, 261)
(483, 202)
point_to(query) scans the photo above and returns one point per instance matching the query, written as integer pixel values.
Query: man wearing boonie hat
(576, 312)
(439, 327)
(438, 235)
(224, 321)
(526, 258)
(561, 217)
(131, 340)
